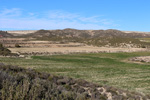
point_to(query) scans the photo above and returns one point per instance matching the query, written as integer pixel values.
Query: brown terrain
(73, 41)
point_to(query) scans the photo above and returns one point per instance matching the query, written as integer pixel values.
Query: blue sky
(131, 15)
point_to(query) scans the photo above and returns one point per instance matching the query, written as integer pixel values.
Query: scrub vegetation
(112, 69)
(22, 84)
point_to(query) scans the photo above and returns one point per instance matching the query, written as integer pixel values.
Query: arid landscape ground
(74, 41)
(115, 64)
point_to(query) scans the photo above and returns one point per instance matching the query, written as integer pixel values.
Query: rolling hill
(109, 38)
(5, 34)
(86, 33)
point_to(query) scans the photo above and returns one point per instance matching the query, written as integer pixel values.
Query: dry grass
(82, 49)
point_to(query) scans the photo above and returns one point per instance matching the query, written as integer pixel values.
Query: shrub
(4, 51)
(17, 46)
(143, 46)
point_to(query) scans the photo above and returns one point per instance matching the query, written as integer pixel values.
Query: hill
(20, 32)
(86, 33)
(25, 84)
(109, 38)
(5, 34)
(106, 38)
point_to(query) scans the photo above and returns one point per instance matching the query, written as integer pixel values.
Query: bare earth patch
(141, 59)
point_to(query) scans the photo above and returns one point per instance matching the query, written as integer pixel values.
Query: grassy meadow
(111, 69)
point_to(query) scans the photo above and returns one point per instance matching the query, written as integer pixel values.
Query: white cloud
(15, 19)
(56, 14)
(93, 19)
(10, 12)
(31, 14)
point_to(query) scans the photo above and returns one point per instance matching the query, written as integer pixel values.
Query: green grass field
(111, 69)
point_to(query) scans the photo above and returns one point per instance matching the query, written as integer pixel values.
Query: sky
(128, 15)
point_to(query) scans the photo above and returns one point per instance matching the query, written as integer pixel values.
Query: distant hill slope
(86, 33)
(5, 34)
(136, 32)
(21, 32)
(110, 37)
(113, 38)
(26, 84)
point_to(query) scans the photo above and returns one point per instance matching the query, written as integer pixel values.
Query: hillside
(106, 38)
(109, 38)
(86, 33)
(5, 34)
(117, 42)
(20, 32)
(25, 84)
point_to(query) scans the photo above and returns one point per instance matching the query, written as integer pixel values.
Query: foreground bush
(25, 84)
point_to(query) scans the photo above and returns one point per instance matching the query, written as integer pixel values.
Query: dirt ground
(141, 59)
(53, 47)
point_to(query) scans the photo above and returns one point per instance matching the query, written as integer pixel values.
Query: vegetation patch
(101, 68)
(6, 52)
(26, 84)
